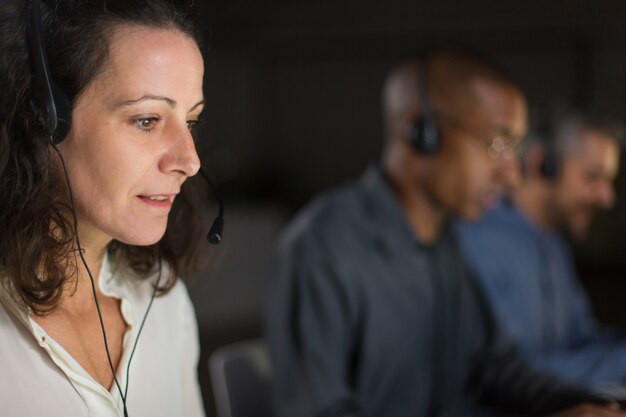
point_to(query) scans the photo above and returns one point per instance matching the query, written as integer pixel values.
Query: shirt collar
(9, 299)
(388, 219)
(109, 282)
(509, 209)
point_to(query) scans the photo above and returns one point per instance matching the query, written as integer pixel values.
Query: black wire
(213, 189)
(93, 285)
(95, 296)
(145, 316)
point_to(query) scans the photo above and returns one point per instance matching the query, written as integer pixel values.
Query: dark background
(292, 90)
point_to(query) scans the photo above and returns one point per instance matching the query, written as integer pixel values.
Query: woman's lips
(158, 200)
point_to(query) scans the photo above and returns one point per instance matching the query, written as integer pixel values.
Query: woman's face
(130, 148)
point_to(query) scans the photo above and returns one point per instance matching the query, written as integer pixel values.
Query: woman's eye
(191, 124)
(147, 123)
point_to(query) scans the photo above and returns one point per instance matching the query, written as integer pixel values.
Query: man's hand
(589, 410)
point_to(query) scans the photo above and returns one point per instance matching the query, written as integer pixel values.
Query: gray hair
(559, 130)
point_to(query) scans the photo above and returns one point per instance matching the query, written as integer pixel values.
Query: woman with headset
(99, 100)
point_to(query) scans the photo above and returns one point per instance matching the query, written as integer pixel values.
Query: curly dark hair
(36, 230)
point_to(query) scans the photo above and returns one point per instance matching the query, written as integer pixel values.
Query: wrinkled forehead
(144, 60)
(161, 42)
(487, 105)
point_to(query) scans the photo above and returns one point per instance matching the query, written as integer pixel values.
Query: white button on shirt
(39, 378)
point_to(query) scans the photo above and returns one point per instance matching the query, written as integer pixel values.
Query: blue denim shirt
(528, 278)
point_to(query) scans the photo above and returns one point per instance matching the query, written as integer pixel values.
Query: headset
(547, 132)
(47, 99)
(423, 134)
(550, 166)
(53, 107)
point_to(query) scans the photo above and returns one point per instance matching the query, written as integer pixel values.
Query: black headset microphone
(217, 228)
(53, 105)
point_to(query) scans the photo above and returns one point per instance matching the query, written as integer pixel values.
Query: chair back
(240, 375)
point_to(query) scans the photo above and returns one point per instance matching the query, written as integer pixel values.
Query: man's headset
(423, 133)
(546, 132)
(48, 100)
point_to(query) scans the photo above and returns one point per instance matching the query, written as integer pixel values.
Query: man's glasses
(499, 146)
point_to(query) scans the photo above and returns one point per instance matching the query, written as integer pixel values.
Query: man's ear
(532, 164)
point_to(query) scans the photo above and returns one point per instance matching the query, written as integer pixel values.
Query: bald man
(372, 312)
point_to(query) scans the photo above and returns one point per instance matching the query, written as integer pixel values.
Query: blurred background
(293, 108)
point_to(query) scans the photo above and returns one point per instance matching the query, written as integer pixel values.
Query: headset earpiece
(547, 132)
(64, 115)
(423, 134)
(549, 167)
(46, 98)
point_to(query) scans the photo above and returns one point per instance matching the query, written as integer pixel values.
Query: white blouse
(39, 378)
